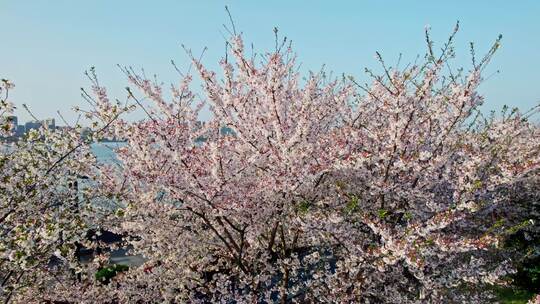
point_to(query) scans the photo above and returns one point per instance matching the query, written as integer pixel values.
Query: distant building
(36, 124)
(63, 128)
(50, 123)
(32, 125)
(20, 131)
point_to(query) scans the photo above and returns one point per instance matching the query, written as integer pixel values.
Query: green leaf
(120, 212)
(407, 215)
(352, 205)
(382, 213)
(477, 185)
(303, 207)
(105, 274)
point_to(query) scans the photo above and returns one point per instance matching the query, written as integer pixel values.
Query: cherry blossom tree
(44, 215)
(326, 190)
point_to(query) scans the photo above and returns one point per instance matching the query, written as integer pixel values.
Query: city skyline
(20, 129)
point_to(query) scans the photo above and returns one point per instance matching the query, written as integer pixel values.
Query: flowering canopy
(320, 194)
(44, 217)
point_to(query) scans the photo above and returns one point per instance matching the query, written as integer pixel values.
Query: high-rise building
(20, 131)
(50, 123)
(32, 125)
(36, 124)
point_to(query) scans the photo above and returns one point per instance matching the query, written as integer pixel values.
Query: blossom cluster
(6, 108)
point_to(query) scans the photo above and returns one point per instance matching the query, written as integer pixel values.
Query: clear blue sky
(46, 45)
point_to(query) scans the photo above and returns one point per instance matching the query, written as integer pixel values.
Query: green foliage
(382, 213)
(407, 216)
(521, 239)
(533, 273)
(477, 185)
(527, 276)
(352, 205)
(512, 295)
(518, 227)
(429, 242)
(303, 207)
(105, 274)
(120, 212)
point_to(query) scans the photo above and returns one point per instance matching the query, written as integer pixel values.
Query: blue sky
(47, 45)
